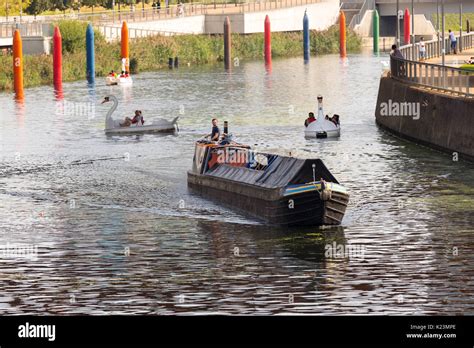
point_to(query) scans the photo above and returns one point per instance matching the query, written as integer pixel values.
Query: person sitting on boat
(215, 132)
(129, 121)
(310, 119)
(335, 119)
(112, 73)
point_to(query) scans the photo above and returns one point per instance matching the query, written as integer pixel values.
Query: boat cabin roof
(275, 172)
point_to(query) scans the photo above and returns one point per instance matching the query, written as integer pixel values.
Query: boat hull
(323, 134)
(140, 130)
(274, 206)
(114, 81)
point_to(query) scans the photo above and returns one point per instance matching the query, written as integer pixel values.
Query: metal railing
(26, 29)
(112, 33)
(367, 5)
(434, 76)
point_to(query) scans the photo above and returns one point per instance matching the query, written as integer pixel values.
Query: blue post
(90, 69)
(306, 37)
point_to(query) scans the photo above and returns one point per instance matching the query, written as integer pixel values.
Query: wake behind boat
(278, 189)
(116, 127)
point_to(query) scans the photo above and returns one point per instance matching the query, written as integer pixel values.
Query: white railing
(112, 33)
(435, 76)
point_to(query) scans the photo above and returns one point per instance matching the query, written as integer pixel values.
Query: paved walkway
(454, 60)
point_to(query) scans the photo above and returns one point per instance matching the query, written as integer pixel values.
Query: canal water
(112, 229)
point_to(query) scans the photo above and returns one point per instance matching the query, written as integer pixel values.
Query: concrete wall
(36, 45)
(388, 7)
(446, 122)
(189, 25)
(423, 27)
(215, 23)
(321, 16)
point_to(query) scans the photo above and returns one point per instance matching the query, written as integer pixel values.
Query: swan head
(106, 100)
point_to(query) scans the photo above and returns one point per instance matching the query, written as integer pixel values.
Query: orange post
(18, 65)
(342, 34)
(125, 48)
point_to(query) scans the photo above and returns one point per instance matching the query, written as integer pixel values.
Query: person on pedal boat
(135, 120)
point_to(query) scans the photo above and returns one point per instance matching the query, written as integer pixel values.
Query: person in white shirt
(422, 49)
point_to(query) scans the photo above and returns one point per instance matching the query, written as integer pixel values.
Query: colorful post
(57, 59)
(18, 65)
(227, 43)
(376, 31)
(90, 65)
(125, 49)
(342, 34)
(305, 37)
(268, 41)
(406, 27)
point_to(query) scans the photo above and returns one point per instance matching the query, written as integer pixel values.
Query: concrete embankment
(444, 122)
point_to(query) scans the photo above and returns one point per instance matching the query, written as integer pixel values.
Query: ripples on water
(125, 236)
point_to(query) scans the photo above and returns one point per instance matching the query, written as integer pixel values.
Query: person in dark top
(396, 52)
(216, 132)
(309, 119)
(397, 65)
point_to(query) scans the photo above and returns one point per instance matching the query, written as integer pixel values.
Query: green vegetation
(152, 53)
(468, 67)
(452, 21)
(49, 7)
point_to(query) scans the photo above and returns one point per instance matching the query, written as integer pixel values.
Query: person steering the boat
(215, 132)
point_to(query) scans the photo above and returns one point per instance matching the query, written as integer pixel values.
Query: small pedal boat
(322, 126)
(157, 126)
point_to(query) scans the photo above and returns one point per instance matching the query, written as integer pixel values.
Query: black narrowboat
(277, 189)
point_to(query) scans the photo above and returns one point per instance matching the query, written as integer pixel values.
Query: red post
(406, 26)
(57, 59)
(268, 41)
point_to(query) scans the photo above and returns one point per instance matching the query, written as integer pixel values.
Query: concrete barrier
(445, 122)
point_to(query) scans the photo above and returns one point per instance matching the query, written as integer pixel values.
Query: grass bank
(152, 53)
(452, 21)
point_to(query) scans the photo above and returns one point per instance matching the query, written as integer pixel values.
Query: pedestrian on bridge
(453, 40)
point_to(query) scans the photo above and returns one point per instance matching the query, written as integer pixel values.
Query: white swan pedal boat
(157, 126)
(118, 80)
(323, 127)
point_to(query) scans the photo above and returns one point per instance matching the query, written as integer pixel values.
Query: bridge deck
(454, 60)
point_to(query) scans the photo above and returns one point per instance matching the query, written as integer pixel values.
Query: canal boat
(277, 189)
(157, 126)
(322, 126)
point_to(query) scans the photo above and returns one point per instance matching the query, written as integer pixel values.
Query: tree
(91, 3)
(38, 6)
